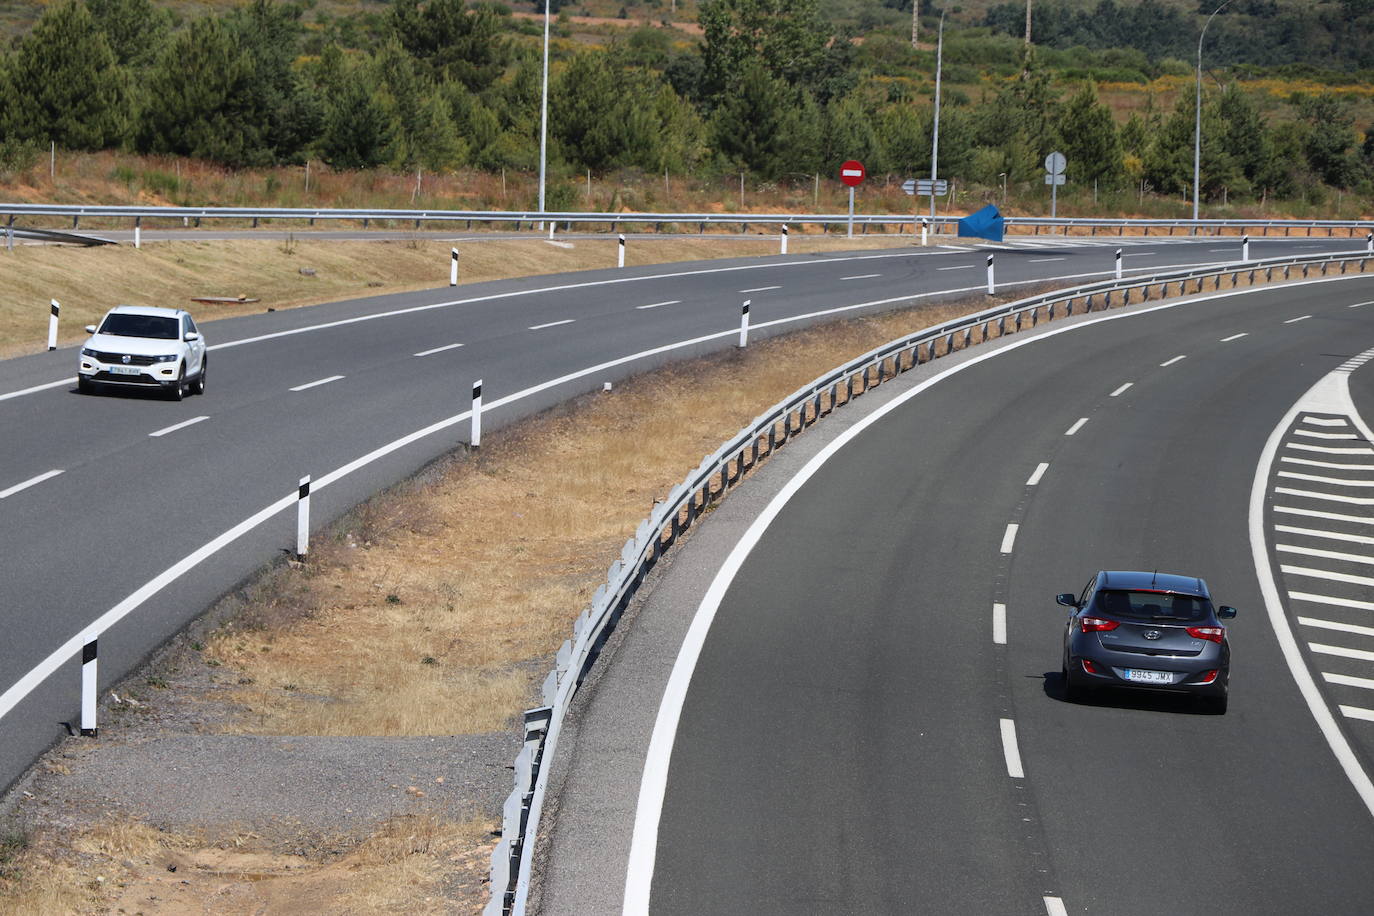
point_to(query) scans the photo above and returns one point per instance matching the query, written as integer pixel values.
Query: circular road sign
(1054, 163)
(852, 173)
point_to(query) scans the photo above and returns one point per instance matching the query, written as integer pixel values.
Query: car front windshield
(121, 324)
(1152, 605)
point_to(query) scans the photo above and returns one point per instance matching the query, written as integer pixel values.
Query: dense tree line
(439, 84)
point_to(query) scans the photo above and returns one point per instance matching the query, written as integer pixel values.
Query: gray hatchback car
(1146, 630)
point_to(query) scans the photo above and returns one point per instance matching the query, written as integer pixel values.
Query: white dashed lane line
(1010, 750)
(1009, 538)
(28, 483)
(323, 381)
(1076, 427)
(1039, 472)
(176, 426)
(958, 267)
(759, 289)
(551, 324)
(1120, 391)
(861, 277)
(999, 624)
(452, 346)
(1055, 907)
(1360, 304)
(654, 305)
(1299, 318)
(1235, 337)
(1170, 362)
(1043, 260)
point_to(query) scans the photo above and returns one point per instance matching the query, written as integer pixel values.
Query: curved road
(874, 723)
(141, 512)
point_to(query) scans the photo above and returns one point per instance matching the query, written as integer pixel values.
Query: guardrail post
(54, 307)
(991, 285)
(1245, 248)
(475, 437)
(1118, 263)
(303, 518)
(744, 324)
(138, 232)
(783, 240)
(88, 690)
(620, 251)
(453, 268)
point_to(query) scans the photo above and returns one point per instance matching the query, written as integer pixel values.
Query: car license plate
(125, 370)
(1149, 677)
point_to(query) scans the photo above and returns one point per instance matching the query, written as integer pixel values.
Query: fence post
(744, 323)
(991, 286)
(88, 690)
(55, 307)
(453, 268)
(1118, 263)
(475, 438)
(303, 518)
(783, 241)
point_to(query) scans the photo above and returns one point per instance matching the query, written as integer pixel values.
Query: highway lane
(841, 747)
(126, 505)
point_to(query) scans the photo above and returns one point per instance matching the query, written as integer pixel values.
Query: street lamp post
(1197, 123)
(1003, 176)
(544, 111)
(935, 136)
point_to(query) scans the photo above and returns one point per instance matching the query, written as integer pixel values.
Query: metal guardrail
(1034, 224)
(511, 860)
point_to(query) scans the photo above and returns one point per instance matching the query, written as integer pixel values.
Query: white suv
(148, 347)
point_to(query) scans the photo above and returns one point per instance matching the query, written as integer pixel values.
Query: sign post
(1054, 177)
(852, 174)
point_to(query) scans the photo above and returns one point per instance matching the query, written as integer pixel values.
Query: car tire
(1073, 693)
(84, 385)
(179, 389)
(198, 386)
(1215, 705)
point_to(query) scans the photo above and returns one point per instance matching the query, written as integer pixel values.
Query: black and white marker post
(52, 323)
(744, 323)
(925, 230)
(620, 256)
(475, 440)
(1118, 263)
(991, 286)
(138, 232)
(303, 518)
(783, 240)
(1369, 243)
(453, 268)
(1245, 248)
(88, 690)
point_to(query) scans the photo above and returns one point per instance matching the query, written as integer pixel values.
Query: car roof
(1157, 581)
(147, 310)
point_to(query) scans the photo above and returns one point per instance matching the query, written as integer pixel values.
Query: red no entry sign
(852, 173)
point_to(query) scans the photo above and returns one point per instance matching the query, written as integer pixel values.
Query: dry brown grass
(89, 281)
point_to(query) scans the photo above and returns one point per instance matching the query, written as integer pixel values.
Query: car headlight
(167, 358)
(87, 351)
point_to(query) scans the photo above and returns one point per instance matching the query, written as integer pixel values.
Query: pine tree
(1090, 141)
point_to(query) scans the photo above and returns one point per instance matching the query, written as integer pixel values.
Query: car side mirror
(1067, 599)
(90, 329)
(192, 335)
(1226, 613)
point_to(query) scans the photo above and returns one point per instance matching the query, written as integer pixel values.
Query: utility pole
(935, 133)
(915, 20)
(1028, 12)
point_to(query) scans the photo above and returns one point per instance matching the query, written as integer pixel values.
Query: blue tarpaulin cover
(985, 224)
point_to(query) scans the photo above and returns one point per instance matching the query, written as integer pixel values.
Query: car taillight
(1090, 667)
(1097, 624)
(1215, 634)
(1209, 677)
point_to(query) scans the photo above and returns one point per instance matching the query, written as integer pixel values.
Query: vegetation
(778, 89)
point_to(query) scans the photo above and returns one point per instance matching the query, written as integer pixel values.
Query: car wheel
(198, 386)
(1215, 705)
(1073, 693)
(84, 385)
(179, 389)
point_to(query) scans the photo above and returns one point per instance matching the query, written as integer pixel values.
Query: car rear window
(1147, 605)
(155, 326)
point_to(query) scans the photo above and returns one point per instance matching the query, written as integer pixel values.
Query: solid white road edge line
(639, 873)
(28, 483)
(1039, 472)
(1009, 538)
(1120, 391)
(1010, 750)
(323, 381)
(1278, 620)
(999, 624)
(176, 426)
(1076, 427)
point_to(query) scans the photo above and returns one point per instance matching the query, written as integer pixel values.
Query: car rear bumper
(1186, 674)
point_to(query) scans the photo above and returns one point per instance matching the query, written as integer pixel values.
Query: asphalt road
(152, 528)
(844, 742)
